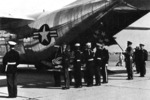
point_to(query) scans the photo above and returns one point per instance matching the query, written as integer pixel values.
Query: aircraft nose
(140, 4)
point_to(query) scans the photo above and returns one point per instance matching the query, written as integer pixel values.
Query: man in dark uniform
(137, 59)
(98, 62)
(143, 56)
(104, 59)
(89, 60)
(129, 60)
(65, 64)
(77, 66)
(10, 61)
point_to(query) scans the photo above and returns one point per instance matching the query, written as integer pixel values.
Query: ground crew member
(65, 64)
(89, 60)
(77, 66)
(129, 60)
(143, 56)
(10, 61)
(98, 62)
(104, 64)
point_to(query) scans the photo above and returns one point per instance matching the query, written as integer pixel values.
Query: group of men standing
(138, 57)
(96, 63)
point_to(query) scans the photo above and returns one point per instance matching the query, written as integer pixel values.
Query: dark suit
(129, 61)
(10, 61)
(89, 59)
(105, 58)
(77, 68)
(137, 60)
(143, 55)
(97, 68)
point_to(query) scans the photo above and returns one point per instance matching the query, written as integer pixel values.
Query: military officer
(77, 66)
(143, 55)
(65, 64)
(104, 64)
(89, 60)
(10, 61)
(129, 60)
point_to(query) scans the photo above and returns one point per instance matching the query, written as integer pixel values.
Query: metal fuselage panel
(69, 23)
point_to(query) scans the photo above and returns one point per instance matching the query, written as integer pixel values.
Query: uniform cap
(89, 43)
(77, 44)
(142, 45)
(129, 42)
(12, 43)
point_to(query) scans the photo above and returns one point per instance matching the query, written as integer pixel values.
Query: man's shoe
(67, 87)
(63, 88)
(90, 85)
(142, 76)
(97, 84)
(12, 96)
(104, 82)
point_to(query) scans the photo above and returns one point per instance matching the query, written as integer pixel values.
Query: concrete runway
(33, 85)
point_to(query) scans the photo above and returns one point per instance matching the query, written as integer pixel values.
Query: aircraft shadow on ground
(116, 72)
(45, 85)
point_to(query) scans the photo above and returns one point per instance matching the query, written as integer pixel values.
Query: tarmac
(33, 85)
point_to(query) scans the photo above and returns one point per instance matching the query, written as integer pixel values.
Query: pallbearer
(10, 61)
(77, 66)
(104, 64)
(89, 60)
(98, 64)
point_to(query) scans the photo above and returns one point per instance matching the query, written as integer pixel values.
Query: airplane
(80, 21)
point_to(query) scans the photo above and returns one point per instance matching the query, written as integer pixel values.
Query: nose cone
(140, 4)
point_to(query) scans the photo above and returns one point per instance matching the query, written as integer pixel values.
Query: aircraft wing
(10, 22)
(137, 28)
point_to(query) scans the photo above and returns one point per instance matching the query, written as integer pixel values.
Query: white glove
(106, 65)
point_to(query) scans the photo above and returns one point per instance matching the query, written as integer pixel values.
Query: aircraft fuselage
(69, 23)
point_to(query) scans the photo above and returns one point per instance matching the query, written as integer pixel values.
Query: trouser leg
(15, 85)
(97, 74)
(90, 73)
(57, 78)
(12, 84)
(67, 79)
(105, 74)
(142, 69)
(77, 74)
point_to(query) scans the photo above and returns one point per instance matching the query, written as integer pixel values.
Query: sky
(27, 7)
(135, 36)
